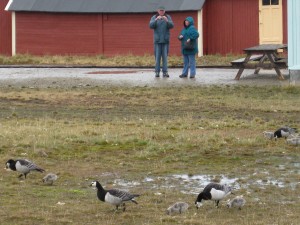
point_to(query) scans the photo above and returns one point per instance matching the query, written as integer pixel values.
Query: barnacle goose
(113, 196)
(23, 166)
(213, 191)
(284, 132)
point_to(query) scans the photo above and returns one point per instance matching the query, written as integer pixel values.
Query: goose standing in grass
(213, 191)
(178, 207)
(284, 132)
(238, 202)
(50, 178)
(114, 196)
(23, 166)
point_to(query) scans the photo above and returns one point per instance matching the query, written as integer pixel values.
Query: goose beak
(198, 205)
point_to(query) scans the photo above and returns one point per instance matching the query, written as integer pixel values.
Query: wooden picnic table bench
(282, 62)
(238, 62)
(261, 53)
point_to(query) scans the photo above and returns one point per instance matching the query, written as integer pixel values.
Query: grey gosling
(293, 141)
(50, 178)
(114, 196)
(23, 166)
(268, 134)
(178, 207)
(237, 202)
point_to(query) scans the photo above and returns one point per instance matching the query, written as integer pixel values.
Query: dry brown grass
(116, 61)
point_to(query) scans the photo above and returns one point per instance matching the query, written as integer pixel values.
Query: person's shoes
(156, 74)
(166, 75)
(182, 76)
(192, 77)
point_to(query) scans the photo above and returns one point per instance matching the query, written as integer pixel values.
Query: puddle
(182, 182)
(125, 183)
(194, 184)
(296, 164)
(281, 167)
(114, 72)
(267, 182)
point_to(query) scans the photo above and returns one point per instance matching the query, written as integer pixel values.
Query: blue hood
(190, 19)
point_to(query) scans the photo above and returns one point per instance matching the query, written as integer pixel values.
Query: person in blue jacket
(189, 47)
(161, 23)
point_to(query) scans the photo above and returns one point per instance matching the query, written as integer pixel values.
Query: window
(266, 2)
(270, 2)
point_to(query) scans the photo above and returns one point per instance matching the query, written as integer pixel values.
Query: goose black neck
(100, 192)
(12, 164)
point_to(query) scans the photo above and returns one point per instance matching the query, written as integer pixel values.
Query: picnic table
(259, 54)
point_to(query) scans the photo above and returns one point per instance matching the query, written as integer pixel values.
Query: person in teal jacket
(189, 37)
(161, 23)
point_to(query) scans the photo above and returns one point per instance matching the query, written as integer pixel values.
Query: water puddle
(182, 182)
(114, 72)
(193, 184)
(296, 164)
(267, 182)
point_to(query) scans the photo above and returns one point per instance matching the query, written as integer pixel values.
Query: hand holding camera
(162, 18)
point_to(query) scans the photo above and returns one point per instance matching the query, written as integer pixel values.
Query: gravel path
(90, 77)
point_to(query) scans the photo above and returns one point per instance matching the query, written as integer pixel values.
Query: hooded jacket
(189, 32)
(161, 29)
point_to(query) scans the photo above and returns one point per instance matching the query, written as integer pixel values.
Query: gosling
(50, 178)
(178, 207)
(237, 202)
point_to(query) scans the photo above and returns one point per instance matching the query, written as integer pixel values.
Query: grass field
(163, 143)
(114, 61)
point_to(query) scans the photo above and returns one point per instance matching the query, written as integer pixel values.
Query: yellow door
(270, 22)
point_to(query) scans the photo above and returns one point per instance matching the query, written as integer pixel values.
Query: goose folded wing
(30, 165)
(125, 196)
(212, 185)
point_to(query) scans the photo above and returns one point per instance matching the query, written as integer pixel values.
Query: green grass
(112, 133)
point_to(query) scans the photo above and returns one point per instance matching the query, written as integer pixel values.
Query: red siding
(125, 34)
(46, 33)
(108, 34)
(230, 26)
(285, 25)
(5, 29)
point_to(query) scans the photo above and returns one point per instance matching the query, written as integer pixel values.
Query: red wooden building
(232, 25)
(5, 30)
(81, 27)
